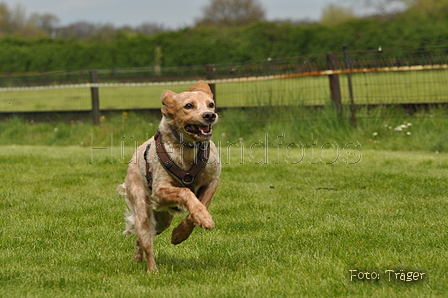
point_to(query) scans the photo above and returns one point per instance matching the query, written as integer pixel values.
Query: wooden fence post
(350, 86)
(210, 70)
(335, 87)
(95, 97)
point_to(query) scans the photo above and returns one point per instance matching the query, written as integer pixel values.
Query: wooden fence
(329, 66)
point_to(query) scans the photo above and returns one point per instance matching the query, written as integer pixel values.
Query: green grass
(395, 87)
(282, 230)
(292, 218)
(294, 124)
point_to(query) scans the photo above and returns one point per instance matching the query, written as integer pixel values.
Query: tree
(149, 28)
(381, 7)
(422, 7)
(11, 20)
(333, 15)
(47, 22)
(18, 16)
(78, 30)
(4, 18)
(429, 7)
(231, 13)
(14, 21)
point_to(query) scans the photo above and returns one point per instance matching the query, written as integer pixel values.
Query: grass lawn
(393, 87)
(282, 230)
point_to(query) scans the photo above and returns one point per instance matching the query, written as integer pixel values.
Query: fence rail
(375, 77)
(327, 72)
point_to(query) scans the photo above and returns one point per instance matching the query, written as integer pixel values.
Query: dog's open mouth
(204, 131)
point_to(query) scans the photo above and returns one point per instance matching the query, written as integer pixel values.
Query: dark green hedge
(200, 46)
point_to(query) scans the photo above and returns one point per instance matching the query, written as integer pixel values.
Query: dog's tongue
(204, 129)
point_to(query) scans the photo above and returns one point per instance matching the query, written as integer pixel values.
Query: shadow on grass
(204, 262)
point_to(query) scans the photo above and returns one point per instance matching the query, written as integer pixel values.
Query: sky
(172, 14)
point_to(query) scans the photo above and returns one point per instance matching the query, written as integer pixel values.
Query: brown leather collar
(185, 178)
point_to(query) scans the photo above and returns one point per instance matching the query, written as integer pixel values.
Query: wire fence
(383, 76)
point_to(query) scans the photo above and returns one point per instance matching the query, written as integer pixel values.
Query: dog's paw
(182, 231)
(203, 219)
(153, 270)
(138, 257)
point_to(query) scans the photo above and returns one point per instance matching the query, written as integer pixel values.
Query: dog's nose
(209, 116)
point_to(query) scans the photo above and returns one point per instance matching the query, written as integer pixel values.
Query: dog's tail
(129, 214)
(122, 190)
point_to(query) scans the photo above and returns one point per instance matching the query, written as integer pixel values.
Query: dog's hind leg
(130, 222)
(186, 227)
(182, 231)
(163, 220)
(144, 223)
(138, 254)
(146, 232)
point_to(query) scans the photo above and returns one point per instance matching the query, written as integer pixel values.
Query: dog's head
(191, 113)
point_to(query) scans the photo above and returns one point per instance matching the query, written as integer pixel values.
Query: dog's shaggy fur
(191, 116)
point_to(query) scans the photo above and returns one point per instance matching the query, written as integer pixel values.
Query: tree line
(208, 43)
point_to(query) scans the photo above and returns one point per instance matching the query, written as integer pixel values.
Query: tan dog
(176, 170)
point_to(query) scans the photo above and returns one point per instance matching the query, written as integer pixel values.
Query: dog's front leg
(184, 197)
(186, 227)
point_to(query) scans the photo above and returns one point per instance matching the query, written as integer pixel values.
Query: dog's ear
(204, 87)
(168, 101)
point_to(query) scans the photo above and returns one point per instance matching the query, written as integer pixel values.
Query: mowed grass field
(284, 228)
(392, 87)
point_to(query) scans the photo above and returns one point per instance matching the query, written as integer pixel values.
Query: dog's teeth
(204, 129)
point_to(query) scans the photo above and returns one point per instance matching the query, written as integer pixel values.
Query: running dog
(174, 172)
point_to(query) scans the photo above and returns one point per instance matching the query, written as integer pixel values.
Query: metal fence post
(350, 86)
(210, 70)
(95, 97)
(335, 87)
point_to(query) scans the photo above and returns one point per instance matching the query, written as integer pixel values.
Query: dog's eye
(188, 106)
(211, 105)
